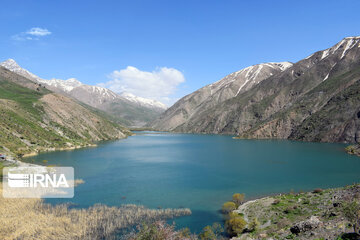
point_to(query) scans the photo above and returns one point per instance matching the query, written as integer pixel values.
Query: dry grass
(34, 219)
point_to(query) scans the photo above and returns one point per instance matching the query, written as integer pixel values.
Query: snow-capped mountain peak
(143, 101)
(92, 95)
(283, 65)
(12, 65)
(64, 85)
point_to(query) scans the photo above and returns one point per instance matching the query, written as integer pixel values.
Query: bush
(238, 198)
(253, 225)
(276, 202)
(217, 228)
(160, 230)
(235, 225)
(318, 190)
(211, 232)
(228, 207)
(207, 234)
(352, 213)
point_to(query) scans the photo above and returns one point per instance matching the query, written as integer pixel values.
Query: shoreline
(35, 153)
(352, 148)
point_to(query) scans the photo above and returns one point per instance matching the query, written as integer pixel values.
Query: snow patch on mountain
(73, 84)
(252, 72)
(347, 43)
(143, 101)
(11, 65)
(282, 65)
(64, 85)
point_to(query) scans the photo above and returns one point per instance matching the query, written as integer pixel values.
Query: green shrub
(238, 198)
(352, 213)
(211, 232)
(207, 234)
(217, 228)
(228, 207)
(235, 224)
(276, 202)
(253, 225)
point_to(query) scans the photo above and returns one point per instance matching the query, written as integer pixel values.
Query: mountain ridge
(35, 119)
(226, 88)
(280, 104)
(129, 110)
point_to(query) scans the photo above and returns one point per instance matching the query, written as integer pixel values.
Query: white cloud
(40, 32)
(34, 33)
(159, 84)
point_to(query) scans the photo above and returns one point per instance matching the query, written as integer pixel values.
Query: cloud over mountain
(158, 84)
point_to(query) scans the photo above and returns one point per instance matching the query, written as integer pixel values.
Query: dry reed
(34, 219)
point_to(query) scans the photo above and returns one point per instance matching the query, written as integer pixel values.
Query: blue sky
(184, 44)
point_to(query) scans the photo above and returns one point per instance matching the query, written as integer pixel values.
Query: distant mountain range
(315, 99)
(33, 118)
(126, 108)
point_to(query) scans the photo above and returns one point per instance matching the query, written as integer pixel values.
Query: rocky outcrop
(304, 216)
(353, 149)
(307, 225)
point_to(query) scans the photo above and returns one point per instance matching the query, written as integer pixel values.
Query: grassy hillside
(130, 114)
(34, 119)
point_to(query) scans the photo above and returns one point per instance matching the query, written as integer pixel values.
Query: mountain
(145, 102)
(209, 96)
(11, 65)
(315, 99)
(34, 118)
(127, 109)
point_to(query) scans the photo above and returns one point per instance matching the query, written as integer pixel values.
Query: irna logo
(38, 182)
(37, 179)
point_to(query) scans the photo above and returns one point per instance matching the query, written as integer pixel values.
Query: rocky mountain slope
(211, 95)
(315, 99)
(127, 109)
(34, 118)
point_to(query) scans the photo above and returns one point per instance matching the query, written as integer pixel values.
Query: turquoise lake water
(200, 172)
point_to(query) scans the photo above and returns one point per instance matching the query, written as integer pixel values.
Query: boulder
(307, 225)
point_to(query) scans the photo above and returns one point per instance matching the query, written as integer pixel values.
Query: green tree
(228, 207)
(235, 224)
(207, 234)
(211, 232)
(352, 214)
(217, 228)
(238, 198)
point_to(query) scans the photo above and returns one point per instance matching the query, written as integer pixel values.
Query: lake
(200, 172)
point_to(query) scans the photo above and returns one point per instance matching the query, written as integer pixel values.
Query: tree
(211, 232)
(228, 207)
(235, 224)
(217, 228)
(238, 198)
(352, 214)
(207, 234)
